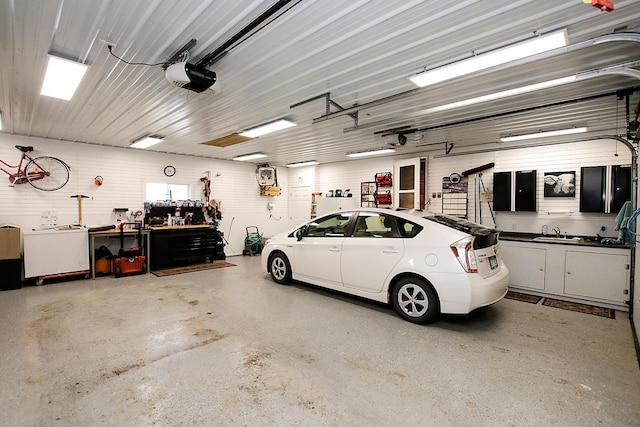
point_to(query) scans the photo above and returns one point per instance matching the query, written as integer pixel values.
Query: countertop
(580, 240)
(178, 227)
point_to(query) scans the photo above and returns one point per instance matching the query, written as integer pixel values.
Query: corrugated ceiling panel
(359, 52)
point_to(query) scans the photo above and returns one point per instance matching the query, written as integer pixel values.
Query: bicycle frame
(20, 176)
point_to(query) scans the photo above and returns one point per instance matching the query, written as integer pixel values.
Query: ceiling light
(371, 152)
(252, 156)
(499, 95)
(544, 134)
(267, 128)
(492, 58)
(62, 78)
(147, 142)
(299, 164)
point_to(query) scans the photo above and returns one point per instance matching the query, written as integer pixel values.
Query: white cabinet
(526, 266)
(597, 275)
(51, 252)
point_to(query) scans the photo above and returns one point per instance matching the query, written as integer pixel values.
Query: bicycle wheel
(47, 173)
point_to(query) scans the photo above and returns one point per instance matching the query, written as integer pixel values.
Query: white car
(422, 264)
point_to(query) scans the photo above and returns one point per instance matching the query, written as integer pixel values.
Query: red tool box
(129, 260)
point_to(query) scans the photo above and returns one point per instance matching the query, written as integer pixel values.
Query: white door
(299, 205)
(406, 185)
(606, 278)
(526, 266)
(317, 256)
(370, 255)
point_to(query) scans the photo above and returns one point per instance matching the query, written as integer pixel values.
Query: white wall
(564, 157)
(125, 172)
(349, 175)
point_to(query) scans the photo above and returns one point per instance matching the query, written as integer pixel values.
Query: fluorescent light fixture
(147, 142)
(499, 95)
(252, 156)
(493, 58)
(267, 128)
(371, 152)
(299, 164)
(544, 134)
(62, 78)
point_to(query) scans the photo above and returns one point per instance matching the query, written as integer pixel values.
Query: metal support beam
(328, 103)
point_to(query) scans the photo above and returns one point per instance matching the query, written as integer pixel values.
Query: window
(328, 226)
(157, 191)
(409, 229)
(371, 224)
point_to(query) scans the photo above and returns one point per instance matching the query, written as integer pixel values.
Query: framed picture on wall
(560, 184)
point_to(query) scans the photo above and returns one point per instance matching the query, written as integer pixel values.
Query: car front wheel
(280, 268)
(415, 300)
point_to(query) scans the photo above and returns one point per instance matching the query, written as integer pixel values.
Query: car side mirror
(299, 233)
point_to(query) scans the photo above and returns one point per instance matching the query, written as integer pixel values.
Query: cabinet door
(592, 188)
(526, 191)
(620, 186)
(526, 266)
(593, 275)
(502, 191)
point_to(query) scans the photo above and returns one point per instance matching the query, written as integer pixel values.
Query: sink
(551, 239)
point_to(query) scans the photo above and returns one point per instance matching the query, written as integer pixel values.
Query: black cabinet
(526, 191)
(594, 182)
(620, 186)
(174, 247)
(10, 274)
(502, 191)
(593, 188)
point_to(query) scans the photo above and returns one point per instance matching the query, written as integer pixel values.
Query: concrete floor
(230, 347)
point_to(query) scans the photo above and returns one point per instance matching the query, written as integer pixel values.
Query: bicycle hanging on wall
(44, 173)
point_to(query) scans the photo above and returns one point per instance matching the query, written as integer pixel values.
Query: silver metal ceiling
(358, 51)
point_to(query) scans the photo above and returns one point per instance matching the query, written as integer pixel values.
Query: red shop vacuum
(129, 260)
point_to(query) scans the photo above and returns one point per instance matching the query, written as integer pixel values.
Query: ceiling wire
(132, 63)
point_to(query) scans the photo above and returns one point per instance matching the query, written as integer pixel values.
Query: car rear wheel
(415, 300)
(280, 268)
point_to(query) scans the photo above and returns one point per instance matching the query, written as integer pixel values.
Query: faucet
(557, 231)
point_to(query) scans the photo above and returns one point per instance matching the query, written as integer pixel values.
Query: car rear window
(484, 236)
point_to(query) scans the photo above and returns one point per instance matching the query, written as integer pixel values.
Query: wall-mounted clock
(169, 170)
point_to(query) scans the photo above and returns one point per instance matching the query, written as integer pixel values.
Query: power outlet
(106, 43)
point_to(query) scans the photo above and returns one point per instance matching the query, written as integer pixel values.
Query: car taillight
(463, 250)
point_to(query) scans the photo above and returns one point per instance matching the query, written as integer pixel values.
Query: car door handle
(390, 251)
(334, 249)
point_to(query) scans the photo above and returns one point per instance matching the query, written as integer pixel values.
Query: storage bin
(9, 242)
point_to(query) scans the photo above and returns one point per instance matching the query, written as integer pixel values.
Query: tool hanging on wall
(478, 170)
(267, 178)
(79, 197)
(98, 180)
(211, 207)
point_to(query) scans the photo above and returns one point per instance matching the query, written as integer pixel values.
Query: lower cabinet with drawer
(180, 246)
